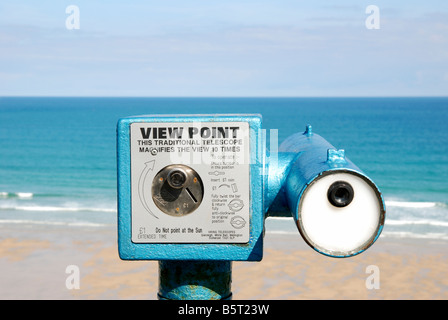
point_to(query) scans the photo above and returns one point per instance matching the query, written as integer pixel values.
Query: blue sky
(224, 48)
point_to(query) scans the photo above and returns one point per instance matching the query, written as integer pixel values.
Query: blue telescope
(194, 192)
(338, 210)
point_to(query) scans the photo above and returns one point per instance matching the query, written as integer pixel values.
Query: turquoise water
(58, 155)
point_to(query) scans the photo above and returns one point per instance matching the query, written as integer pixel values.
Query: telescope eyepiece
(340, 194)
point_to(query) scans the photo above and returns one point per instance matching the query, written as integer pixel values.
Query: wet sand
(34, 260)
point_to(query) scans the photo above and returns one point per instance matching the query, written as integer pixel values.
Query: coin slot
(191, 195)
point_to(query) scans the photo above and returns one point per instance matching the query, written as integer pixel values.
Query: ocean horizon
(58, 154)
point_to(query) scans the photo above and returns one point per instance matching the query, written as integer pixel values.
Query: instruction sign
(190, 182)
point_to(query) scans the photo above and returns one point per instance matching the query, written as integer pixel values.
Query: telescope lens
(344, 225)
(340, 194)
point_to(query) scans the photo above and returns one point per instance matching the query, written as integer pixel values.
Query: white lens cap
(341, 213)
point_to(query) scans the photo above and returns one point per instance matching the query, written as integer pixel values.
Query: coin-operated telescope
(194, 191)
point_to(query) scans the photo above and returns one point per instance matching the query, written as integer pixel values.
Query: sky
(227, 48)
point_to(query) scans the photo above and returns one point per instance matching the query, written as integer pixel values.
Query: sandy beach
(34, 261)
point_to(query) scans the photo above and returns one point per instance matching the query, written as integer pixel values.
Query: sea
(58, 154)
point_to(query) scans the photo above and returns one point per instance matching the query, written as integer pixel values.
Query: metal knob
(177, 178)
(177, 190)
